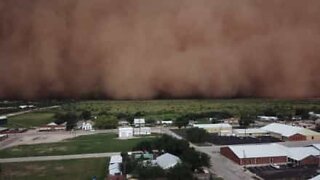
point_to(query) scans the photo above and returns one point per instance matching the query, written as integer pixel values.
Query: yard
(97, 143)
(50, 170)
(30, 119)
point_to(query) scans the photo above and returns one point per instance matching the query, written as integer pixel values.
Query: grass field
(30, 119)
(162, 109)
(80, 169)
(97, 143)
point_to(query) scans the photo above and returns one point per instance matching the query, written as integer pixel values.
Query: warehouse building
(266, 154)
(291, 133)
(221, 128)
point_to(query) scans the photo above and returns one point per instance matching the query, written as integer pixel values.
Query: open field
(51, 170)
(162, 109)
(32, 119)
(97, 143)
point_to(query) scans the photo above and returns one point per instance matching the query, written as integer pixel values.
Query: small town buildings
(167, 161)
(3, 120)
(252, 132)
(53, 127)
(266, 154)
(221, 128)
(140, 122)
(291, 133)
(125, 132)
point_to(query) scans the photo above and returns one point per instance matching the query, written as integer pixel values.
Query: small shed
(125, 132)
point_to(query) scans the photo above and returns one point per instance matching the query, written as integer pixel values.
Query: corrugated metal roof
(273, 150)
(258, 150)
(299, 153)
(287, 131)
(167, 160)
(139, 121)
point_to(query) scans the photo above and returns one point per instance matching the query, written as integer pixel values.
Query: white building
(125, 132)
(142, 131)
(139, 122)
(221, 128)
(167, 161)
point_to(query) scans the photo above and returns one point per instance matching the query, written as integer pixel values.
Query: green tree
(195, 159)
(180, 172)
(86, 115)
(197, 135)
(106, 122)
(246, 119)
(149, 172)
(181, 122)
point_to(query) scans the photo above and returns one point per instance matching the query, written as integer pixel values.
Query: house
(87, 126)
(272, 153)
(139, 122)
(291, 133)
(3, 120)
(221, 128)
(252, 132)
(167, 161)
(125, 132)
(53, 127)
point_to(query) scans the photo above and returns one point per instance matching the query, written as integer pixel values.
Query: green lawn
(30, 119)
(97, 143)
(79, 169)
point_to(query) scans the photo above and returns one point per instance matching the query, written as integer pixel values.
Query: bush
(197, 135)
(150, 172)
(195, 159)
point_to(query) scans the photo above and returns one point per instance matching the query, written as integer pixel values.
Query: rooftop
(287, 130)
(220, 125)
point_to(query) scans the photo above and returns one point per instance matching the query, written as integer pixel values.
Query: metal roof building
(167, 161)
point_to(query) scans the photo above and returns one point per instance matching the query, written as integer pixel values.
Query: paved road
(221, 166)
(60, 157)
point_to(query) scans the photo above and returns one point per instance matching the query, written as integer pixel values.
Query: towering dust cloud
(169, 48)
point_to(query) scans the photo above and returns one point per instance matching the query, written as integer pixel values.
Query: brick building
(264, 154)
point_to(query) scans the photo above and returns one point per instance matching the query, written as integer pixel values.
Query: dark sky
(146, 49)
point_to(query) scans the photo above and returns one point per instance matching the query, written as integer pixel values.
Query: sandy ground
(36, 137)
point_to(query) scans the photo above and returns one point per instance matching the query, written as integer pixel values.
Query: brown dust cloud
(146, 49)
